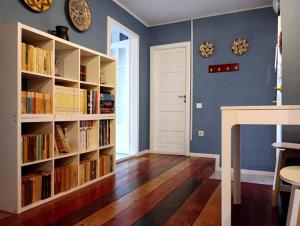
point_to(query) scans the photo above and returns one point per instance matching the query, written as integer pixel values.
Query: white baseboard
(142, 152)
(203, 155)
(248, 176)
(134, 155)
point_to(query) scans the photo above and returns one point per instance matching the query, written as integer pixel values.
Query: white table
(232, 118)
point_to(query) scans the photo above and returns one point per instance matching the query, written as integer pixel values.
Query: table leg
(236, 165)
(288, 218)
(226, 170)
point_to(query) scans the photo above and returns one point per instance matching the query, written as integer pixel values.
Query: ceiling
(157, 12)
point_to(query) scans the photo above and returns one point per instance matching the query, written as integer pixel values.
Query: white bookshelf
(14, 124)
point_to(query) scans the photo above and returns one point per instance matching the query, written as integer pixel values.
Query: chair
(291, 174)
(285, 150)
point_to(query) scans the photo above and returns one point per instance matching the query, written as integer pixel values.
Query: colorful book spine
(36, 103)
(36, 59)
(36, 147)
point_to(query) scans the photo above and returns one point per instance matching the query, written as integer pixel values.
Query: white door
(170, 98)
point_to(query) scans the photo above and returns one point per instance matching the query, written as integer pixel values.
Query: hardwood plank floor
(153, 190)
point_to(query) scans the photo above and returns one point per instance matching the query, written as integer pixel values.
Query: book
(35, 187)
(65, 178)
(36, 103)
(35, 59)
(61, 143)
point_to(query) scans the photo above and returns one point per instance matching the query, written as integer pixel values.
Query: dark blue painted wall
(94, 38)
(170, 33)
(252, 85)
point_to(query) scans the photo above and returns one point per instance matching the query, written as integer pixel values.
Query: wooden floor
(153, 190)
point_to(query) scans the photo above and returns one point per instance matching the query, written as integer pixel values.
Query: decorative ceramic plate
(240, 46)
(38, 5)
(80, 14)
(207, 49)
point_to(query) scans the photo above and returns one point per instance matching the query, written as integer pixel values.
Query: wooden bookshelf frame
(11, 118)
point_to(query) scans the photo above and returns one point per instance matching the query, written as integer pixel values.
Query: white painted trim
(204, 155)
(192, 80)
(136, 38)
(211, 15)
(143, 152)
(249, 176)
(130, 12)
(187, 45)
(133, 156)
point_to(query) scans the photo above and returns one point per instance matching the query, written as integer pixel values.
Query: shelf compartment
(88, 167)
(66, 98)
(37, 95)
(36, 183)
(37, 142)
(67, 63)
(37, 53)
(88, 136)
(106, 161)
(66, 138)
(106, 133)
(89, 67)
(65, 174)
(89, 99)
(108, 71)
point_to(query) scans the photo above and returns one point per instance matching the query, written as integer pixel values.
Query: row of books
(87, 135)
(36, 147)
(104, 132)
(107, 101)
(35, 187)
(89, 101)
(65, 178)
(62, 140)
(36, 59)
(36, 103)
(88, 171)
(67, 100)
(106, 164)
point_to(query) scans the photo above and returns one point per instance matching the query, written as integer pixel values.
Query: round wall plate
(207, 49)
(80, 14)
(240, 46)
(38, 5)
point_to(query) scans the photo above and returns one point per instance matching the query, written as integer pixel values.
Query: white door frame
(186, 45)
(135, 77)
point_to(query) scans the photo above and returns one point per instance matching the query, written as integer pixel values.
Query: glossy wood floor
(153, 190)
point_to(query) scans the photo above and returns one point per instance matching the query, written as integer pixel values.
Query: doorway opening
(123, 45)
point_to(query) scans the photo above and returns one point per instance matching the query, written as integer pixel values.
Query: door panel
(170, 74)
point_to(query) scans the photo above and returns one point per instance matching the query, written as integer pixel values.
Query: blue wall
(94, 38)
(170, 33)
(252, 85)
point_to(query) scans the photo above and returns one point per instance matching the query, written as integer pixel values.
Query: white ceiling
(157, 12)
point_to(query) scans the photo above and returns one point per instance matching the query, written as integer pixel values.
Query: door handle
(184, 96)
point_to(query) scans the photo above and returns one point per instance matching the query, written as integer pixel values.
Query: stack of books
(104, 133)
(36, 147)
(89, 101)
(62, 144)
(67, 100)
(107, 101)
(36, 103)
(88, 171)
(35, 187)
(65, 178)
(83, 73)
(35, 59)
(106, 164)
(87, 136)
